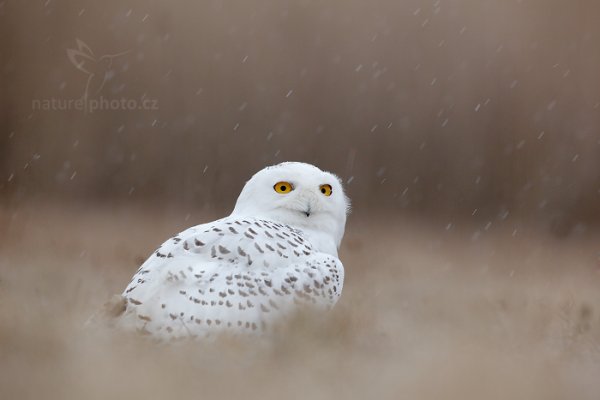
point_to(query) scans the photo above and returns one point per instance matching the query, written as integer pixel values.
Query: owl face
(299, 195)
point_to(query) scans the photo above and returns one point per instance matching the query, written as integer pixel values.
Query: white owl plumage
(275, 253)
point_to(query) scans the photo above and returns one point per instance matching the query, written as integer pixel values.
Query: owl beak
(307, 212)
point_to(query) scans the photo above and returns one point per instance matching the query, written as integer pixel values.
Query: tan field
(428, 312)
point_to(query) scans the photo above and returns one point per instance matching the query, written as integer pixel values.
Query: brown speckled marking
(257, 278)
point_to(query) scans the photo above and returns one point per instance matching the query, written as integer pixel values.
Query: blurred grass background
(466, 132)
(426, 313)
(425, 107)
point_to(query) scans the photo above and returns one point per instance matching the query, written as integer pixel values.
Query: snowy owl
(275, 253)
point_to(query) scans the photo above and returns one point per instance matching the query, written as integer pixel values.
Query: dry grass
(426, 313)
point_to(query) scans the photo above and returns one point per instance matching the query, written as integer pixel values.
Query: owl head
(297, 194)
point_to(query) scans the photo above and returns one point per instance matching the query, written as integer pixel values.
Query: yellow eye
(326, 189)
(283, 187)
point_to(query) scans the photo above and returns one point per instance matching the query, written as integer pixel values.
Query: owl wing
(233, 275)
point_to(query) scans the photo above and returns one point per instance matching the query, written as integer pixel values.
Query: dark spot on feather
(273, 304)
(223, 250)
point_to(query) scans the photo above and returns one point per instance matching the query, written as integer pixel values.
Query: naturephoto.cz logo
(99, 70)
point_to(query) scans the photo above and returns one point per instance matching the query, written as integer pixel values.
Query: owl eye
(283, 187)
(326, 189)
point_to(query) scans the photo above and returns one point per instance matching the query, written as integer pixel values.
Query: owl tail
(112, 309)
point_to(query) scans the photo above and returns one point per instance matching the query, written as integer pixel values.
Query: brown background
(426, 107)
